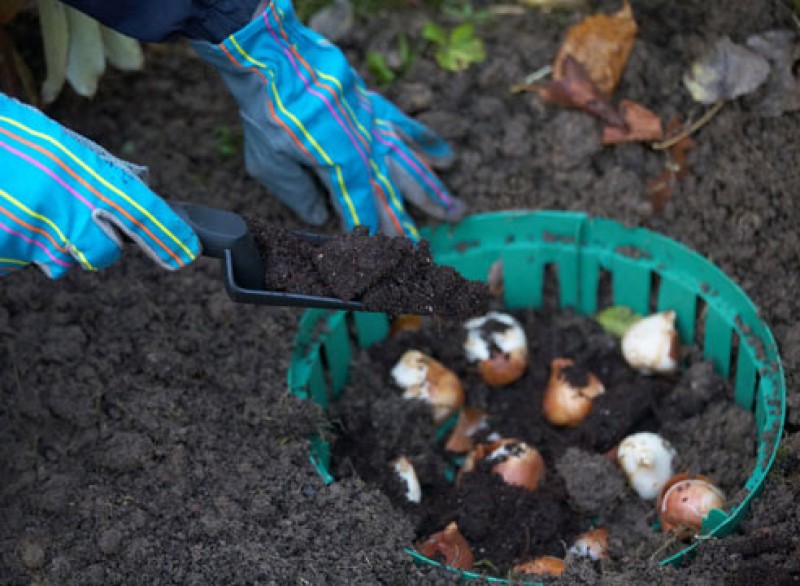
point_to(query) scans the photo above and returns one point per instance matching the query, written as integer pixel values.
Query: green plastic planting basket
(647, 271)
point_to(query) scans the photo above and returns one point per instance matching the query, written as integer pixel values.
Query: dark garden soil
(146, 435)
(390, 275)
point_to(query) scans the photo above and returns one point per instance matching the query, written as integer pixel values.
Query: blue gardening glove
(311, 127)
(63, 198)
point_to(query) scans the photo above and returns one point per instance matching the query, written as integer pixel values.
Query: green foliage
(457, 49)
(464, 11)
(617, 319)
(228, 140)
(376, 63)
(380, 68)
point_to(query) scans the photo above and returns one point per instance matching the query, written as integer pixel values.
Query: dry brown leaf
(642, 125)
(573, 88)
(659, 189)
(602, 44)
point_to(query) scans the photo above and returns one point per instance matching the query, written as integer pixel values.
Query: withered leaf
(782, 49)
(660, 188)
(725, 73)
(602, 44)
(642, 125)
(575, 89)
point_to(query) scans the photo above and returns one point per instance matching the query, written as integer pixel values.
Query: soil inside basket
(583, 488)
(391, 275)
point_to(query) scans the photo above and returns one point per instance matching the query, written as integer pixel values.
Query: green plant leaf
(463, 33)
(434, 33)
(404, 48)
(617, 319)
(376, 63)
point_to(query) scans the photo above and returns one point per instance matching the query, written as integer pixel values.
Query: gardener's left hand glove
(64, 200)
(311, 126)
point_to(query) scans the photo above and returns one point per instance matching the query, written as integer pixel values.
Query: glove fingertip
(456, 209)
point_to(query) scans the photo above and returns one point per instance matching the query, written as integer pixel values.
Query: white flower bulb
(411, 369)
(405, 470)
(507, 336)
(498, 344)
(651, 344)
(422, 377)
(647, 460)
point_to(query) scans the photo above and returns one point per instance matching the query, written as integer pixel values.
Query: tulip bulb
(405, 470)
(647, 460)
(495, 279)
(405, 323)
(567, 402)
(427, 379)
(592, 544)
(498, 344)
(684, 502)
(515, 461)
(450, 545)
(470, 422)
(546, 565)
(651, 345)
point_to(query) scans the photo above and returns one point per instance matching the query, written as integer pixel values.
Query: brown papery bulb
(450, 546)
(684, 502)
(495, 279)
(592, 544)
(504, 368)
(497, 343)
(427, 379)
(515, 461)
(546, 565)
(567, 402)
(405, 323)
(470, 421)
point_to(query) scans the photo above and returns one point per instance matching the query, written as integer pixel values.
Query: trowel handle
(220, 231)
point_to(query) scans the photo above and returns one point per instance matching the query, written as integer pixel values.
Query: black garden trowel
(224, 235)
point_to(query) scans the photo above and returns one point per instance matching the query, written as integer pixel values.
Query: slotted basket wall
(643, 266)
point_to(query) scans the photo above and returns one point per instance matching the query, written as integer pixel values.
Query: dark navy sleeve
(159, 20)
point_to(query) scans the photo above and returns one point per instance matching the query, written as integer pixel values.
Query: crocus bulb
(684, 502)
(646, 459)
(567, 402)
(497, 343)
(470, 422)
(405, 470)
(427, 379)
(515, 461)
(450, 545)
(546, 565)
(592, 544)
(651, 345)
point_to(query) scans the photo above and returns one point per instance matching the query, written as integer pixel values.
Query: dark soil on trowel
(392, 275)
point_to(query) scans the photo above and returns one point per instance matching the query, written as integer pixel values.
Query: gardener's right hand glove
(64, 199)
(312, 127)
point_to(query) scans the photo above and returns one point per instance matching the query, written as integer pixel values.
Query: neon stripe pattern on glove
(303, 106)
(63, 203)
